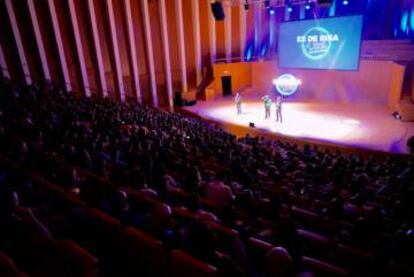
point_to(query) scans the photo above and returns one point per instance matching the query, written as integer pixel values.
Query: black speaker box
(324, 2)
(217, 9)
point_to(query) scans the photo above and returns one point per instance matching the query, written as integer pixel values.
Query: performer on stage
(238, 101)
(279, 109)
(268, 104)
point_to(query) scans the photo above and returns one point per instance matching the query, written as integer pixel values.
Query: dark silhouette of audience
(87, 168)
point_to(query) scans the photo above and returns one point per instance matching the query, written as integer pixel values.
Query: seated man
(219, 193)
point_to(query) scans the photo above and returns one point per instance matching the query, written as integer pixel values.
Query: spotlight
(307, 7)
(290, 9)
(345, 2)
(272, 11)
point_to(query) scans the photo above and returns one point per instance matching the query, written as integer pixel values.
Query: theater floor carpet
(364, 126)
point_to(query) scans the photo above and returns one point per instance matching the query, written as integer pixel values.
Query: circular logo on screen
(286, 84)
(317, 43)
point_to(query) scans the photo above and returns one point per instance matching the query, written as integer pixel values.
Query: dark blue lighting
(263, 50)
(249, 53)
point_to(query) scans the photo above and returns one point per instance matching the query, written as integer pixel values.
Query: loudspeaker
(226, 85)
(184, 99)
(324, 2)
(217, 10)
(178, 99)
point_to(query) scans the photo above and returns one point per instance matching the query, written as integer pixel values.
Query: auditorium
(206, 138)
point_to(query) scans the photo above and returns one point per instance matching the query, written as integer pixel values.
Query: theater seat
(146, 255)
(107, 230)
(317, 244)
(306, 218)
(8, 268)
(225, 236)
(105, 240)
(353, 259)
(184, 265)
(82, 262)
(322, 269)
(184, 214)
(257, 250)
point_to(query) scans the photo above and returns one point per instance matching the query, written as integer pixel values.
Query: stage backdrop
(372, 83)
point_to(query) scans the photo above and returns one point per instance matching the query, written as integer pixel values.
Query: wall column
(132, 49)
(242, 18)
(118, 68)
(98, 50)
(197, 40)
(332, 8)
(19, 43)
(166, 52)
(150, 53)
(302, 11)
(227, 30)
(181, 43)
(79, 48)
(271, 50)
(212, 33)
(257, 28)
(39, 41)
(58, 37)
(3, 64)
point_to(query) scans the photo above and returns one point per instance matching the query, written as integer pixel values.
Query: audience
(250, 185)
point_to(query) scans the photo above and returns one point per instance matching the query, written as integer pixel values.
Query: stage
(366, 126)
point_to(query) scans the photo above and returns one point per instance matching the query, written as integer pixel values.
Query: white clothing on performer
(238, 100)
(279, 109)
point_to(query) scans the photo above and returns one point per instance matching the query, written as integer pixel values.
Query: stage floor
(358, 125)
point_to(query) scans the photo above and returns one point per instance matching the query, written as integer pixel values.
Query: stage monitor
(329, 43)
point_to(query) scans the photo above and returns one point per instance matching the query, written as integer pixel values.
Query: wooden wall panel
(189, 44)
(65, 25)
(250, 28)
(122, 35)
(144, 79)
(264, 32)
(173, 40)
(126, 62)
(220, 40)
(106, 47)
(9, 46)
(29, 40)
(235, 31)
(85, 30)
(204, 33)
(49, 41)
(158, 53)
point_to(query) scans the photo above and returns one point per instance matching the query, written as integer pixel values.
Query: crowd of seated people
(109, 174)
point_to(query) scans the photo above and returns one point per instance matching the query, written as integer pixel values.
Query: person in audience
(193, 205)
(160, 153)
(219, 193)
